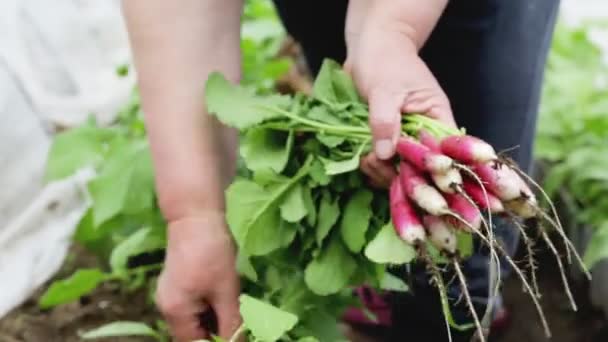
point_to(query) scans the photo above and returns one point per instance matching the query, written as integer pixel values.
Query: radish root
(568, 243)
(519, 272)
(528, 289)
(529, 243)
(558, 225)
(561, 268)
(436, 276)
(463, 285)
(494, 272)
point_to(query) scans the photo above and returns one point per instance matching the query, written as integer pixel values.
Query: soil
(585, 325)
(64, 323)
(28, 323)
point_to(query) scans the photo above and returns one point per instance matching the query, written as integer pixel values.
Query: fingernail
(384, 149)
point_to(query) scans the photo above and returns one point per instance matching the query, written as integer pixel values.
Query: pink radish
(474, 191)
(467, 149)
(420, 192)
(429, 141)
(466, 210)
(406, 222)
(449, 181)
(440, 234)
(499, 179)
(422, 157)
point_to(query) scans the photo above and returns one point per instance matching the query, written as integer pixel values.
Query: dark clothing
(489, 57)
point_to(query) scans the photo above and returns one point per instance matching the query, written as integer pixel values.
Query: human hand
(199, 277)
(384, 63)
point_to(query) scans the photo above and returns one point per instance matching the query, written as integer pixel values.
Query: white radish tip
(414, 235)
(429, 199)
(483, 152)
(496, 207)
(439, 163)
(508, 183)
(440, 234)
(446, 182)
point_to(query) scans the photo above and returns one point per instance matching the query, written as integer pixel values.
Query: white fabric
(57, 65)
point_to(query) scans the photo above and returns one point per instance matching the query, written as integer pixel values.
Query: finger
(374, 177)
(185, 325)
(375, 184)
(433, 105)
(226, 307)
(181, 311)
(419, 106)
(383, 168)
(385, 118)
(443, 114)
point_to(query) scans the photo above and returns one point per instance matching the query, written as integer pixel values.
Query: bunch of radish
(447, 185)
(300, 197)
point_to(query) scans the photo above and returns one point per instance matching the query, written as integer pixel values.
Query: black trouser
(489, 57)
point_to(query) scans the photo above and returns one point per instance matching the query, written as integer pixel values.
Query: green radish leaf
(296, 297)
(82, 282)
(330, 141)
(318, 174)
(464, 243)
(323, 326)
(322, 114)
(253, 216)
(236, 107)
(323, 88)
(294, 208)
(435, 254)
(598, 246)
(333, 167)
(331, 271)
(140, 241)
(125, 184)
(308, 339)
(266, 322)
(244, 266)
(344, 87)
(311, 209)
(122, 328)
(76, 148)
(266, 149)
(286, 233)
(253, 213)
(355, 220)
(391, 283)
(267, 177)
(387, 248)
(329, 212)
(333, 85)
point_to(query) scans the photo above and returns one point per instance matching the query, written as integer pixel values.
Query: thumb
(385, 119)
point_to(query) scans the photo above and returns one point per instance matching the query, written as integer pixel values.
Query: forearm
(176, 44)
(412, 18)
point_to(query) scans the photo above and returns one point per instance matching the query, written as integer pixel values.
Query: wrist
(412, 19)
(181, 203)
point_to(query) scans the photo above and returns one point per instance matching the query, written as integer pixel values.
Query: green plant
(573, 131)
